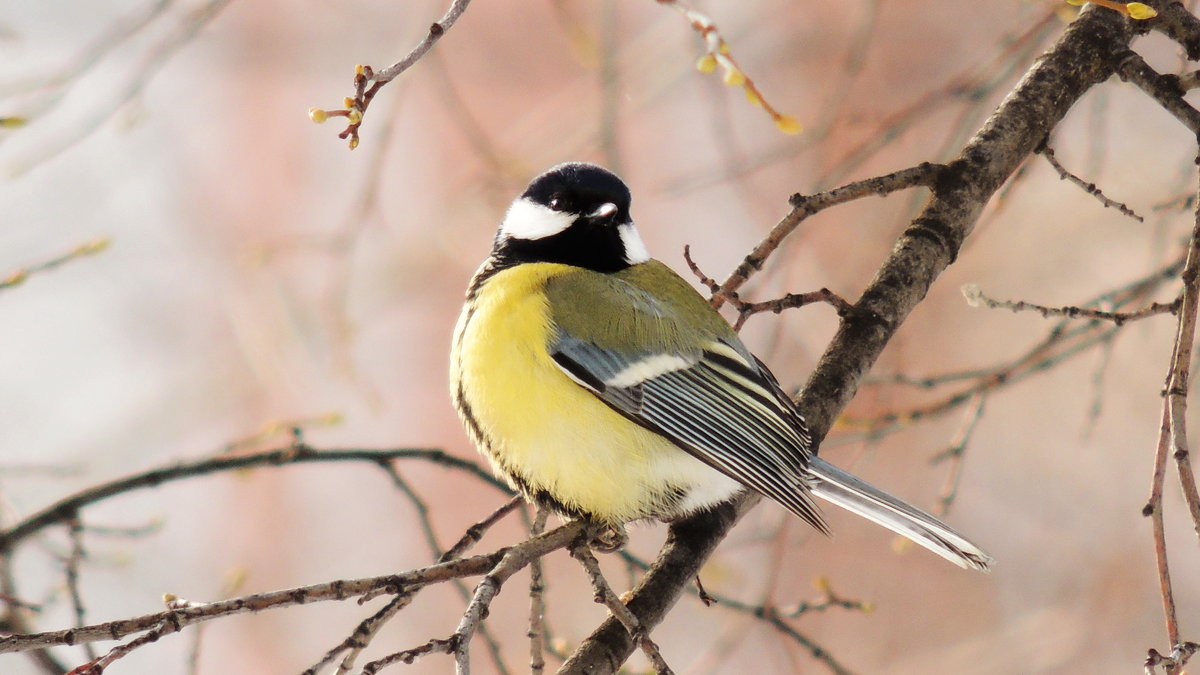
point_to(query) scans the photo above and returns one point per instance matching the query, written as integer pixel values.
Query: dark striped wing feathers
(718, 403)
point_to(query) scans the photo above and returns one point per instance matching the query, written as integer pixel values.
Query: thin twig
(436, 551)
(748, 309)
(792, 301)
(537, 603)
(67, 507)
(975, 298)
(476, 531)
(719, 55)
(1173, 438)
(603, 594)
(18, 277)
(1178, 387)
(341, 589)
(815, 650)
(75, 530)
(1090, 188)
(364, 75)
(98, 665)
(804, 206)
(361, 637)
(955, 454)
(510, 561)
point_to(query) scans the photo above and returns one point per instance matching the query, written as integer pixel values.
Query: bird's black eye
(558, 202)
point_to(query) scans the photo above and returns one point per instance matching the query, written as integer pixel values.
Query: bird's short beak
(604, 210)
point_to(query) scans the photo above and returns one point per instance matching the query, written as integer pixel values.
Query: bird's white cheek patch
(529, 220)
(647, 369)
(635, 250)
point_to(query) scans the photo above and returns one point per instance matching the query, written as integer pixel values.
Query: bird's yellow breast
(548, 433)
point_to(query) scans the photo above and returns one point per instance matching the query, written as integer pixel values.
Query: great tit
(603, 386)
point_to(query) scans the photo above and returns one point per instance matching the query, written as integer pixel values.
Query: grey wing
(719, 404)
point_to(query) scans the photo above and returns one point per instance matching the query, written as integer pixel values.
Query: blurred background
(259, 275)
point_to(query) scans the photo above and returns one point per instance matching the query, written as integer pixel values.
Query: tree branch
(66, 508)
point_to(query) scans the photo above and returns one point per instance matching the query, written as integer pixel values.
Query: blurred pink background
(261, 272)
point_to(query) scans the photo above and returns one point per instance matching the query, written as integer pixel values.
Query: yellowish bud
(332, 418)
(706, 64)
(13, 122)
(360, 69)
(347, 103)
(355, 116)
(169, 598)
(1077, 3)
(353, 142)
(724, 48)
(788, 125)
(822, 584)
(94, 246)
(753, 97)
(734, 77)
(317, 115)
(1140, 11)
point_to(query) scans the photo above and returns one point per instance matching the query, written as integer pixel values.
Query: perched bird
(602, 385)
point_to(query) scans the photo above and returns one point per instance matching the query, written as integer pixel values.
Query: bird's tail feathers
(857, 496)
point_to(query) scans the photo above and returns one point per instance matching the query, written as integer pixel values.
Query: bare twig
(1173, 439)
(198, 612)
(748, 309)
(19, 277)
(1087, 187)
(68, 507)
(1179, 379)
(603, 594)
(719, 55)
(955, 453)
(508, 561)
(361, 637)
(791, 301)
(357, 106)
(815, 650)
(537, 603)
(75, 530)
(975, 298)
(435, 548)
(476, 531)
(804, 206)
(1064, 340)
(98, 665)
(497, 565)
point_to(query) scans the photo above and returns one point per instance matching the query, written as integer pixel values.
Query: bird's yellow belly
(549, 434)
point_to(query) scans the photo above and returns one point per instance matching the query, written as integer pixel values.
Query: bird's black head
(575, 214)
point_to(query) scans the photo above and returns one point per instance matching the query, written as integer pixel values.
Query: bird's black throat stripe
(587, 244)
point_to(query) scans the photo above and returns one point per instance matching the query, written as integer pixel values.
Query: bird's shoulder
(647, 304)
